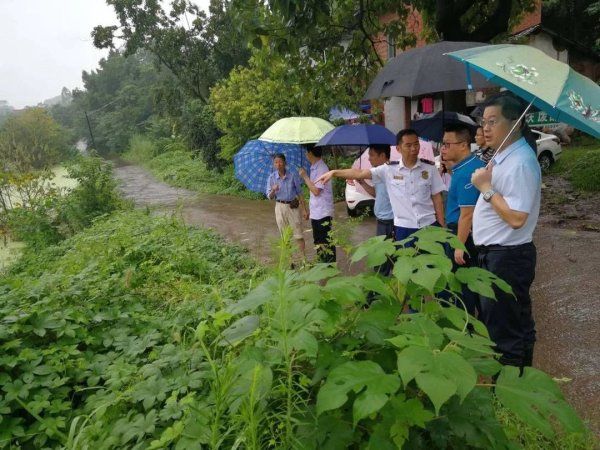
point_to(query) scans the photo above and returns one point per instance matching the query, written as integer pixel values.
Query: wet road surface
(566, 291)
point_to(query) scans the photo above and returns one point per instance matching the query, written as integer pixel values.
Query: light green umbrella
(297, 130)
(548, 84)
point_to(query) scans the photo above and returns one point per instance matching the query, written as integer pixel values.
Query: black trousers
(470, 299)
(385, 228)
(509, 319)
(322, 240)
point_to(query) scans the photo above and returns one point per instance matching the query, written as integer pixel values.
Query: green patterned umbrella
(550, 85)
(297, 130)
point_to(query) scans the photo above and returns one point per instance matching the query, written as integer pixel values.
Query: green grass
(9, 252)
(179, 168)
(101, 331)
(531, 439)
(580, 164)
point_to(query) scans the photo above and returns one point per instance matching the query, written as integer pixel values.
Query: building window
(391, 47)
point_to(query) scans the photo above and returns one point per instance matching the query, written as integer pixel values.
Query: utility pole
(90, 128)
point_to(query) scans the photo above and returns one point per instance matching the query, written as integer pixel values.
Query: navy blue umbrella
(360, 134)
(431, 126)
(254, 162)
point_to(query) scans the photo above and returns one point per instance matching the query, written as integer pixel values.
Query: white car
(548, 149)
(358, 201)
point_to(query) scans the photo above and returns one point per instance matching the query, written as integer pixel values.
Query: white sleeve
(520, 194)
(437, 184)
(378, 173)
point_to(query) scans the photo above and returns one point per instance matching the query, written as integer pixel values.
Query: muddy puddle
(566, 291)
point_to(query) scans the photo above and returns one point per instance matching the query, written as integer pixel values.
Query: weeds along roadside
(99, 324)
(580, 163)
(140, 332)
(172, 162)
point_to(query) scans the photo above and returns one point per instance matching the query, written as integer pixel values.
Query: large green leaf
(417, 329)
(536, 399)
(318, 272)
(255, 298)
(471, 341)
(239, 330)
(375, 322)
(365, 378)
(481, 281)
(346, 290)
(437, 234)
(439, 374)
(403, 269)
(305, 342)
(426, 277)
(376, 249)
(378, 284)
(440, 262)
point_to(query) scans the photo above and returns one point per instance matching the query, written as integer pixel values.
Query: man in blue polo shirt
(461, 200)
(379, 155)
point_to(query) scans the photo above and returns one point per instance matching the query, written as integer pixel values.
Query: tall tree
(478, 21)
(31, 140)
(578, 20)
(340, 37)
(119, 98)
(196, 49)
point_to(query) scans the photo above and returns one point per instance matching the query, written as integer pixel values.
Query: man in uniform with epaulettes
(414, 186)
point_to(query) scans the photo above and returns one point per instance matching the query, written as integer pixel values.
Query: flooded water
(11, 250)
(566, 291)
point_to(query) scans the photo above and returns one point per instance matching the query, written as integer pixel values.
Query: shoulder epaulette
(394, 163)
(426, 161)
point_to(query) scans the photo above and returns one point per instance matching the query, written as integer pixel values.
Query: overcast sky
(46, 44)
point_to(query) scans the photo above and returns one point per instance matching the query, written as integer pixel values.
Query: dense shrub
(200, 131)
(32, 140)
(141, 148)
(54, 214)
(136, 334)
(96, 330)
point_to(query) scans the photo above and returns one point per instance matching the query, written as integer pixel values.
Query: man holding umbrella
(284, 187)
(504, 219)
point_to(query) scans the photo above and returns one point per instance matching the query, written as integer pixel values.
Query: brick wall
(529, 20)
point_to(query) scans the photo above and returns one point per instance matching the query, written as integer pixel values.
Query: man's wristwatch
(487, 195)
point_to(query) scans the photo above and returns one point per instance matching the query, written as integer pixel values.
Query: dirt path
(566, 291)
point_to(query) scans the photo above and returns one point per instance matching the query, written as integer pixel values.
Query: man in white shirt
(504, 219)
(413, 185)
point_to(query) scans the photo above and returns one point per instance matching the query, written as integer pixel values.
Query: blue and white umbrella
(254, 162)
